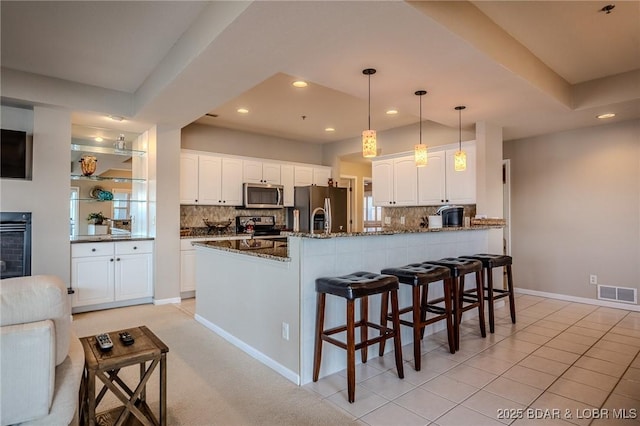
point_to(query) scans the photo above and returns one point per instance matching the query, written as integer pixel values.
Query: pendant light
(369, 148)
(420, 151)
(460, 158)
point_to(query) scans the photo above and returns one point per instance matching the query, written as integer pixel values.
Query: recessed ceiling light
(300, 84)
(329, 129)
(607, 115)
(243, 110)
(98, 139)
(116, 118)
(392, 111)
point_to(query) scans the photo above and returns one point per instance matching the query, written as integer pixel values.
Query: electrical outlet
(387, 220)
(401, 220)
(593, 279)
(285, 331)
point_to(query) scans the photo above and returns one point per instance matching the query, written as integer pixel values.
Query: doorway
(349, 182)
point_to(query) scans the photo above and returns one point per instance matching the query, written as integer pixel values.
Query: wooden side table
(106, 366)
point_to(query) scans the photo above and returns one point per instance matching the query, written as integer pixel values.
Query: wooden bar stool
(359, 285)
(419, 276)
(490, 261)
(460, 267)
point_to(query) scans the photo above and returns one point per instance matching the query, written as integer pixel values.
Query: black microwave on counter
(263, 196)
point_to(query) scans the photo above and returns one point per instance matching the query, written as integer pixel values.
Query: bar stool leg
(384, 312)
(449, 312)
(456, 310)
(351, 352)
(417, 319)
(512, 301)
(490, 300)
(364, 330)
(317, 352)
(396, 333)
(423, 307)
(480, 291)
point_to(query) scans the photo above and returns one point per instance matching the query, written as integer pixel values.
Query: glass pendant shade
(369, 142)
(369, 148)
(460, 161)
(460, 157)
(420, 154)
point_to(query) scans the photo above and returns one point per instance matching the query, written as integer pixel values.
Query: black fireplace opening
(15, 244)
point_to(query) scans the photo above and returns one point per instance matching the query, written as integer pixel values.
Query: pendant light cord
(420, 119)
(369, 127)
(460, 129)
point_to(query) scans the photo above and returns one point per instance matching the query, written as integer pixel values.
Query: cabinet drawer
(134, 247)
(91, 249)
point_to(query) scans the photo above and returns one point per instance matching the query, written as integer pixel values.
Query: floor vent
(618, 294)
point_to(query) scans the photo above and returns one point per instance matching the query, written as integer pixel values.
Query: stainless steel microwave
(263, 196)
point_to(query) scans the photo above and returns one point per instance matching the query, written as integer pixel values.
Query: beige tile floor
(563, 363)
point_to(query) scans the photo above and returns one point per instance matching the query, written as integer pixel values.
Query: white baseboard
(585, 300)
(251, 351)
(166, 301)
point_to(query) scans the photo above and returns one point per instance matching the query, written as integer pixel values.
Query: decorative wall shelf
(106, 150)
(107, 179)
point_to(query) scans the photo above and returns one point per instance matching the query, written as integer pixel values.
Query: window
(121, 198)
(372, 214)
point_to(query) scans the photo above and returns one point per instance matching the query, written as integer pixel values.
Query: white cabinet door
(187, 270)
(188, 178)
(209, 180)
(382, 177)
(461, 186)
(133, 274)
(303, 176)
(271, 173)
(231, 182)
(252, 171)
(92, 280)
(405, 182)
(287, 180)
(431, 180)
(321, 176)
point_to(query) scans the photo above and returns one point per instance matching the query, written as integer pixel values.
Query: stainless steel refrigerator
(322, 208)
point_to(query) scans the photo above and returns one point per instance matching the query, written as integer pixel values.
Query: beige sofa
(41, 358)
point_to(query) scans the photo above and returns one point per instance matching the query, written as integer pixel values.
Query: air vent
(618, 294)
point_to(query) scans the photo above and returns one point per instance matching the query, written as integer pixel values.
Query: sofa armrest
(27, 370)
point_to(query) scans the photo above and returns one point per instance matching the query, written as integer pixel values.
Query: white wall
(47, 194)
(233, 142)
(576, 209)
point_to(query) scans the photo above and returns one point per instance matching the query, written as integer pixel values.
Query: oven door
(263, 196)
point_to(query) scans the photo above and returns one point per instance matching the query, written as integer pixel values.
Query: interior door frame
(506, 204)
(350, 181)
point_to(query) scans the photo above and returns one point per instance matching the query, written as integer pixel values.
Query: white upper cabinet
(255, 171)
(439, 183)
(395, 182)
(287, 181)
(321, 176)
(210, 180)
(303, 175)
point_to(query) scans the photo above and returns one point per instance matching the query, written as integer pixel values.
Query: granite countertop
(107, 237)
(322, 235)
(274, 249)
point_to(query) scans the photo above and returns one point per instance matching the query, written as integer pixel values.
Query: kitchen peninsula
(264, 300)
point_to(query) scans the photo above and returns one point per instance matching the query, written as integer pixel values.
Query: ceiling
(531, 67)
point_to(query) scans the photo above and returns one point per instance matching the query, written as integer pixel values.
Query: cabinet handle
(111, 259)
(118, 259)
(93, 249)
(135, 247)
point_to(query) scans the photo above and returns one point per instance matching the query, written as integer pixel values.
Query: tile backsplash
(192, 216)
(413, 215)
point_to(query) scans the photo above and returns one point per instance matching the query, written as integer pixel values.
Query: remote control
(126, 338)
(104, 342)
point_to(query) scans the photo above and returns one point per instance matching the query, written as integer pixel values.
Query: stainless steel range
(257, 225)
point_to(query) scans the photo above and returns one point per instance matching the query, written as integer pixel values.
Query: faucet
(313, 215)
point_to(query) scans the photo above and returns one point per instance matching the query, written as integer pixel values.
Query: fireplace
(15, 244)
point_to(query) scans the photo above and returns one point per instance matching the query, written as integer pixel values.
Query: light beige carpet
(209, 381)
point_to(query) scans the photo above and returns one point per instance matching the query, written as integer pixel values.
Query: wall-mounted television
(15, 154)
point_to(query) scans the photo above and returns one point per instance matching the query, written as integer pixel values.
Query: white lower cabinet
(188, 264)
(108, 272)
